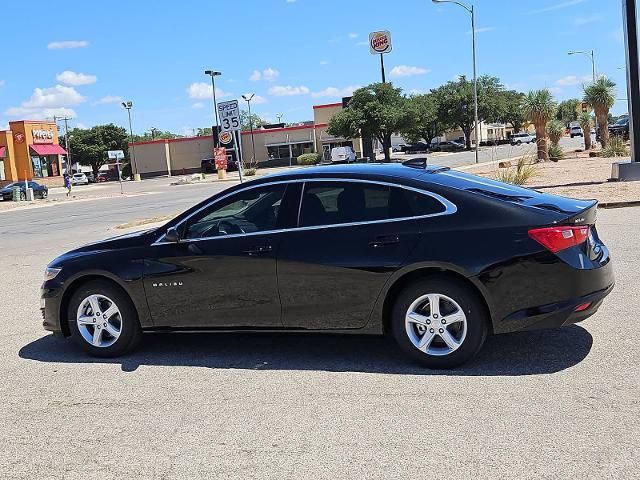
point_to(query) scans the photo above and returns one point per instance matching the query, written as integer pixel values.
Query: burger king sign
(380, 42)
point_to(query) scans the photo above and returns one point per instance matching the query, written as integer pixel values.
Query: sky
(82, 58)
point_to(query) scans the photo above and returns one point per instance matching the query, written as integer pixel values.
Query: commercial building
(30, 150)
(275, 146)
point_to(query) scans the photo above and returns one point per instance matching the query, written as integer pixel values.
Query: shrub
(308, 159)
(249, 172)
(519, 174)
(555, 153)
(555, 129)
(616, 147)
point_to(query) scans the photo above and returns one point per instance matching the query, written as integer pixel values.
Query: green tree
(155, 135)
(256, 119)
(601, 95)
(90, 146)
(511, 110)
(377, 110)
(457, 103)
(427, 123)
(540, 107)
(568, 111)
(556, 130)
(585, 123)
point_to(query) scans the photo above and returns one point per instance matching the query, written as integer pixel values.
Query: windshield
(622, 121)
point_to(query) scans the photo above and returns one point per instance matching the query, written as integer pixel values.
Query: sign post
(379, 44)
(229, 113)
(117, 155)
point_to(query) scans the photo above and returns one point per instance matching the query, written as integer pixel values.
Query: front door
(222, 272)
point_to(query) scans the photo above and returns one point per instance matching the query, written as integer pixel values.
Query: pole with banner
(117, 155)
(379, 44)
(229, 114)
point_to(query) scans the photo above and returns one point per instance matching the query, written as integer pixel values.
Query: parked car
(403, 266)
(415, 147)
(576, 131)
(102, 177)
(397, 147)
(208, 165)
(448, 146)
(620, 128)
(39, 191)
(522, 137)
(343, 154)
(90, 177)
(79, 179)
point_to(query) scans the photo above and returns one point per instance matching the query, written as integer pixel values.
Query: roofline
(327, 105)
(48, 122)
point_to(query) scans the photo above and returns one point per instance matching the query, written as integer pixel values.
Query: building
(30, 150)
(276, 146)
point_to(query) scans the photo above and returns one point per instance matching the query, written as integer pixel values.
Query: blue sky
(82, 58)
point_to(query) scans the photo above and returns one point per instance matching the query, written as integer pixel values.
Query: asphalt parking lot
(551, 404)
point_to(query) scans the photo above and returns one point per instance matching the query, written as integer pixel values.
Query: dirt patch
(146, 221)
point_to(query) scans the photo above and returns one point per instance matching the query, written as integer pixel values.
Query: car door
(222, 271)
(351, 236)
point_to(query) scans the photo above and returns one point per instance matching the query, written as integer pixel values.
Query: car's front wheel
(102, 319)
(439, 322)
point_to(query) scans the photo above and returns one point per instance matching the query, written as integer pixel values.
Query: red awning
(3, 152)
(50, 149)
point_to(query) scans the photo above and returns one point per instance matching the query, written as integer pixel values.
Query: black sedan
(39, 191)
(436, 259)
(415, 147)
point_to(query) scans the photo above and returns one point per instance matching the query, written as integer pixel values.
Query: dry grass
(521, 173)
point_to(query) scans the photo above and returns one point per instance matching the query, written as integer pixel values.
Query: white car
(79, 179)
(575, 131)
(342, 154)
(520, 138)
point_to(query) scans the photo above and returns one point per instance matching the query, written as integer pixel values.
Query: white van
(343, 154)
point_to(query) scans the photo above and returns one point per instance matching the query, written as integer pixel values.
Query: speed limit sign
(229, 113)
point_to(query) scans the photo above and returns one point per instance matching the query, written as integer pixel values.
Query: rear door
(352, 235)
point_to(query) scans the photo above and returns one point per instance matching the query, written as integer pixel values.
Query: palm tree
(585, 123)
(556, 131)
(540, 107)
(601, 95)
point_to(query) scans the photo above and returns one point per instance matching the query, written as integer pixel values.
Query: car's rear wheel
(103, 320)
(23, 196)
(44, 194)
(439, 322)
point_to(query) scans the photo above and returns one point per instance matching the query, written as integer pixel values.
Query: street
(553, 404)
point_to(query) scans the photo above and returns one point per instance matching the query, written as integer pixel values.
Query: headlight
(51, 273)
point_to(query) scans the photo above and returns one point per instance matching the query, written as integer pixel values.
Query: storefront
(30, 150)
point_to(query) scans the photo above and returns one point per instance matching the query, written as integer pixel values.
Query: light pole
(213, 74)
(279, 117)
(153, 132)
(591, 55)
(247, 98)
(475, 78)
(136, 176)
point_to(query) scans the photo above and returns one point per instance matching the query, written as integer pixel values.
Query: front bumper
(50, 298)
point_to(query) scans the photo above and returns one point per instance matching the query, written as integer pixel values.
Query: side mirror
(172, 235)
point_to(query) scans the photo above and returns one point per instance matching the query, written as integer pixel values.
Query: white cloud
(482, 30)
(68, 44)
(416, 91)
(558, 6)
(201, 90)
(108, 99)
(618, 35)
(555, 90)
(197, 105)
(72, 78)
(257, 99)
(353, 35)
(269, 74)
(81, 126)
(290, 1)
(571, 80)
(335, 92)
(288, 91)
(407, 70)
(362, 43)
(46, 102)
(324, 62)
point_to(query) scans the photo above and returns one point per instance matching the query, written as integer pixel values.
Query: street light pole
(475, 77)
(128, 105)
(213, 74)
(247, 99)
(279, 117)
(591, 55)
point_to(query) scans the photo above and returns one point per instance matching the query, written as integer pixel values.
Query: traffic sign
(229, 113)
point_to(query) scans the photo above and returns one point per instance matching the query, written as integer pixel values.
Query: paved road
(553, 404)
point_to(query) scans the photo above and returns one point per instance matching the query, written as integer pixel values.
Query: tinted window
(330, 203)
(253, 210)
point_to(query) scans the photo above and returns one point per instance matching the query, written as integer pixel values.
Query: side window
(421, 204)
(252, 210)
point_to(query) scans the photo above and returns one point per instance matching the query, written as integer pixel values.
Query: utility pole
(213, 74)
(66, 138)
(247, 98)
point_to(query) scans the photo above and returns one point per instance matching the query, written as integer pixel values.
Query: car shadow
(522, 353)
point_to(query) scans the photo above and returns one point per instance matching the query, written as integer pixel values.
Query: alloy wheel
(99, 320)
(436, 324)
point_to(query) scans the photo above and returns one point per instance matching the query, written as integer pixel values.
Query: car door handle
(383, 240)
(258, 250)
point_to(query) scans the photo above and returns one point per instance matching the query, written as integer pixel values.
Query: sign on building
(380, 42)
(115, 154)
(229, 114)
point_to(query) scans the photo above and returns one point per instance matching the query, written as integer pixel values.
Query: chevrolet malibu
(436, 259)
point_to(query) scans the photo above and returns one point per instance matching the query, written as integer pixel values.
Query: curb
(630, 203)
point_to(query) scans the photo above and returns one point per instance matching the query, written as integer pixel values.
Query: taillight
(556, 239)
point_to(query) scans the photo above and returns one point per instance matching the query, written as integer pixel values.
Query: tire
(518, 143)
(124, 322)
(454, 298)
(23, 196)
